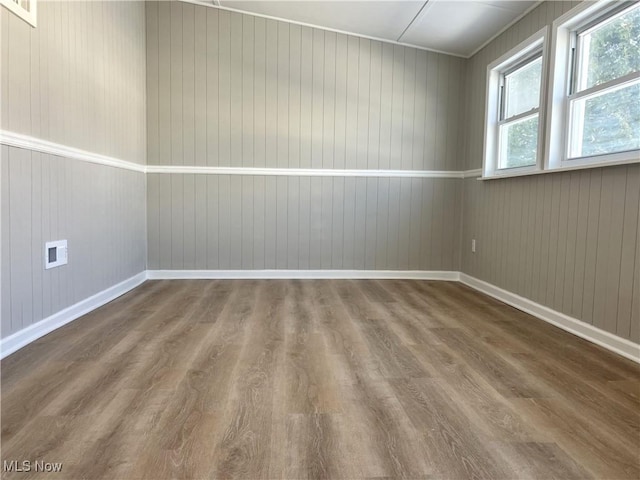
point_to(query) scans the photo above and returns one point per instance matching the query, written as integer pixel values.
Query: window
(595, 102)
(519, 112)
(25, 9)
(605, 93)
(514, 96)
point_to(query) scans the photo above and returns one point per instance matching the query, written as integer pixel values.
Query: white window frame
(558, 122)
(29, 15)
(526, 50)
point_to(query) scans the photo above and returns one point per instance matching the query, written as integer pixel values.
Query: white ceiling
(458, 27)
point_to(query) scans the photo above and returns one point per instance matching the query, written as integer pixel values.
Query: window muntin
(519, 114)
(604, 103)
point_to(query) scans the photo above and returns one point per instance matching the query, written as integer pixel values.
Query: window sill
(582, 166)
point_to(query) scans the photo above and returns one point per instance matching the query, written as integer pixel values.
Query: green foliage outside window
(612, 120)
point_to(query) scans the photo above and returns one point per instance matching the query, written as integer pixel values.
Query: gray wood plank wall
(99, 210)
(227, 89)
(258, 222)
(566, 240)
(78, 79)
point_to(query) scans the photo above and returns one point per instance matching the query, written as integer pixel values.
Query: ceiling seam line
(415, 17)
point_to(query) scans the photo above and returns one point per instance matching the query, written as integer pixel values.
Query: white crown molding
(303, 172)
(19, 140)
(621, 346)
(214, 4)
(31, 333)
(507, 27)
(301, 274)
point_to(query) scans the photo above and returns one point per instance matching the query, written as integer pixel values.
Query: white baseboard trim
(621, 346)
(611, 342)
(301, 274)
(27, 335)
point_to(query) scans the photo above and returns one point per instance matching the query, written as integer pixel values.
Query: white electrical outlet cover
(55, 254)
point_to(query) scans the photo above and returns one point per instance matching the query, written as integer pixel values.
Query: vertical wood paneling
(394, 223)
(306, 75)
(337, 228)
(5, 17)
(223, 68)
(188, 84)
(236, 76)
(258, 223)
(293, 222)
(405, 223)
(247, 235)
(224, 223)
(281, 95)
(201, 127)
(362, 103)
(584, 230)
(153, 221)
(213, 222)
(282, 220)
(326, 223)
(212, 85)
(382, 222)
(295, 60)
(164, 87)
(304, 226)
(165, 236)
(46, 198)
(315, 223)
(371, 206)
(235, 222)
(153, 84)
(629, 256)
(247, 222)
(189, 220)
(359, 225)
(270, 222)
(55, 85)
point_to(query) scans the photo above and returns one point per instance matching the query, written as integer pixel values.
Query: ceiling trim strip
(507, 26)
(203, 3)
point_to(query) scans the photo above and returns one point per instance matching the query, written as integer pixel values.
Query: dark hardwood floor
(318, 379)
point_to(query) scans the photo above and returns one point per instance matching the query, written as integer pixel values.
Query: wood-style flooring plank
(306, 379)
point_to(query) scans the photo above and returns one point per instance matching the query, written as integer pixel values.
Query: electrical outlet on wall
(473, 245)
(55, 254)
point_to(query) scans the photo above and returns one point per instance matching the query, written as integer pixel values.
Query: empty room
(320, 239)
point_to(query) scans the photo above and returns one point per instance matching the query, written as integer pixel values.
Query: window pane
(519, 143)
(522, 88)
(610, 50)
(606, 123)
